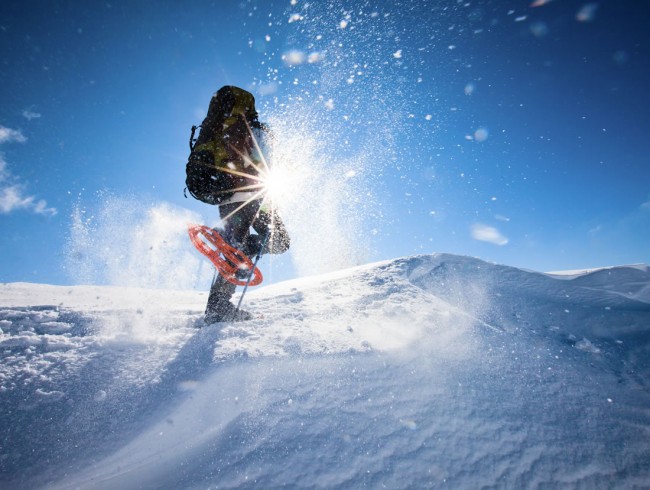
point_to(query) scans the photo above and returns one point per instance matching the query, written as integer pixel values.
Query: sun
(279, 184)
(276, 171)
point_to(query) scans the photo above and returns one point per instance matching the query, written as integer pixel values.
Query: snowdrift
(425, 371)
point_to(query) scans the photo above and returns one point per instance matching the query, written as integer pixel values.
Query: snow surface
(427, 371)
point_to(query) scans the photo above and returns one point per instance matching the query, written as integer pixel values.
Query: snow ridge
(415, 372)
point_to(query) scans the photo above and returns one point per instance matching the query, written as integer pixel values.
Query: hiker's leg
(237, 225)
(279, 240)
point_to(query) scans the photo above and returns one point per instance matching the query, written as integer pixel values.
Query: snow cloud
(488, 234)
(325, 182)
(12, 193)
(125, 242)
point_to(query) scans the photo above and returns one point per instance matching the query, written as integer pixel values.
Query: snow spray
(126, 242)
(334, 111)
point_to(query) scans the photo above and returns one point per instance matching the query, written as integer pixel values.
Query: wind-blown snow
(417, 372)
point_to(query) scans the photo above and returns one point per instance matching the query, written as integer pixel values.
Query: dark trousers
(237, 225)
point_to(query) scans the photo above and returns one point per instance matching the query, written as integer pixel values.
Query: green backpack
(223, 154)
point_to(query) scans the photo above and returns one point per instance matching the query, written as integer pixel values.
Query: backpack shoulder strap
(192, 138)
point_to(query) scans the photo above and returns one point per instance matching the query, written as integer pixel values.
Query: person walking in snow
(224, 169)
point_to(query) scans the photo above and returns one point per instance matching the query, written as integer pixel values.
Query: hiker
(224, 170)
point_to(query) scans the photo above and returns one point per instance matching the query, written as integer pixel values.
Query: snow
(426, 371)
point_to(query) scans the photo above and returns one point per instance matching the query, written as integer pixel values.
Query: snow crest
(416, 372)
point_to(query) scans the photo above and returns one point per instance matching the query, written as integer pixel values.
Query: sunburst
(267, 182)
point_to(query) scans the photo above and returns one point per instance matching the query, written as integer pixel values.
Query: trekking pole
(250, 275)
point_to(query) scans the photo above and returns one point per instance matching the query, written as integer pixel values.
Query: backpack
(224, 153)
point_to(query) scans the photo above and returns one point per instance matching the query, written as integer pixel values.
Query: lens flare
(278, 184)
(321, 185)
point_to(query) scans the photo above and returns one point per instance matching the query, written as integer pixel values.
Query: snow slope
(426, 371)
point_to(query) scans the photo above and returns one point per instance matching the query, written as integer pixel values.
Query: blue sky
(514, 131)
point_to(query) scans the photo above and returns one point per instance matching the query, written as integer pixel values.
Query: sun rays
(262, 176)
